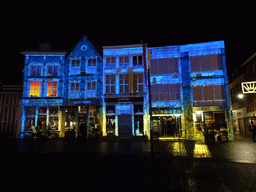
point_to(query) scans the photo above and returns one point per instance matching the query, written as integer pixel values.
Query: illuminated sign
(83, 102)
(42, 102)
(249, 87)
(124, 99)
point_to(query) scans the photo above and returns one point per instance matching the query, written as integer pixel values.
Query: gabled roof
(88, 49)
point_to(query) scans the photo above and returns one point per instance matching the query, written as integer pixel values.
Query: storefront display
(167, 126)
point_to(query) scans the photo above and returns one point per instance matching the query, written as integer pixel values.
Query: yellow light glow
(179, 149)
(202, 151)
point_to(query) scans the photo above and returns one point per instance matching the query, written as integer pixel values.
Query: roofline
(237, 81)
(250, 58)
(43, 53)
(122, 46)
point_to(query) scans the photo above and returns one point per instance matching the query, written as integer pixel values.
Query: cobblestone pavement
(240, 150)
(118, 165)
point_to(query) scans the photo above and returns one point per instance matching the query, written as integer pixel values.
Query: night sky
(64, 26)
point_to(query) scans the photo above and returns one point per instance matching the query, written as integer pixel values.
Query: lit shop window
(35, 87)
(52, 89)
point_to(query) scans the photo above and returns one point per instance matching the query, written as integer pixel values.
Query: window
(75, 62)
(52, 89)
(208, 93)
(110, 62)
(165, 92)
(137, 60)
(138, 108)
(35, 70)
(30, 111)
(53, 70)
(35, 87)
(123, 83)
(75, 66)
(138, 83)
(124, 61)
(164, 66)
(74, 90)
(110, 109)
(110, 84)
(206, 63)
(91, 89)
(91, 85)
(92, 62)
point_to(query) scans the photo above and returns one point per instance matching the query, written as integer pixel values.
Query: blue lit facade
(62, 95)
(188, 88)
(43, 92)
(84, 89)
(125, 109)
(83, 94)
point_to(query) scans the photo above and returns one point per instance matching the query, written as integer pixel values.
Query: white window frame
(52, 65)
(35, 65)
(91, 59)
(91, 90)
(74, 93)
(124, 83)
(110, 84)
(29, 88)
(137, 61)
(52, 88)
(74, 70)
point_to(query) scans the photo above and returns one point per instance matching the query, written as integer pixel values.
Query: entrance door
(219, 120)
(125, 125)
(82, 125)
(241, 126)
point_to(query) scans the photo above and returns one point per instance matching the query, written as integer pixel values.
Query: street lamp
(240, 96)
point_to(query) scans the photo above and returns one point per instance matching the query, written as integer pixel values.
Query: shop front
(42, 117)
(83, 118)
(124, 117)
(167, 123)
(209, 124)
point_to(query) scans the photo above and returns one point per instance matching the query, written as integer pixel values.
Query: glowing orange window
(35, 87)
(52, 89)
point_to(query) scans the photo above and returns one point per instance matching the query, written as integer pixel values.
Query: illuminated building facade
(43, 92)
(243, 103)
(125, 106)
(62, 96)
(189, 91)
(83, 94)
(83, 88)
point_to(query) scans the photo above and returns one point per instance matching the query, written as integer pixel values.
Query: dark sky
(64, 25)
